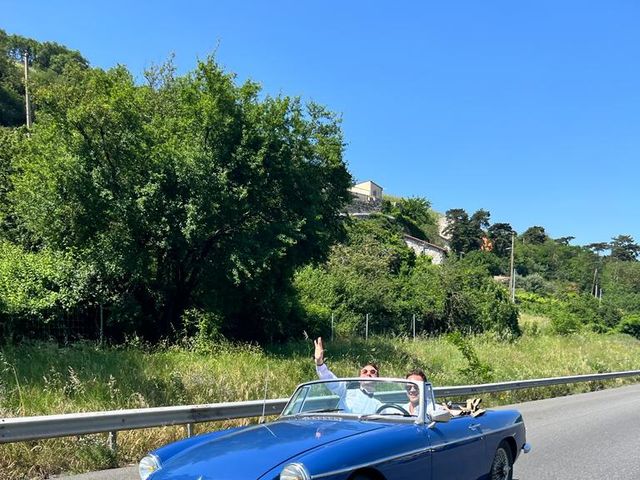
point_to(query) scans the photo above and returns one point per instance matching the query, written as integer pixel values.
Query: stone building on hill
(422, 247)
(367, 200)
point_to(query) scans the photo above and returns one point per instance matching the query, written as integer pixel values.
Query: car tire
(502, 466)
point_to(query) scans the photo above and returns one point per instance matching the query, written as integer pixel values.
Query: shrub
(37, 288)
(476, 370)
(203, 327)
(630, 325)
(565, 324)
(489, 261)
(535, 283)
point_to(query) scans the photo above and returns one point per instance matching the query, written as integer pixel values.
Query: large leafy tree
(500, 235)
(466, 232)
(185, 192)
(535, 235)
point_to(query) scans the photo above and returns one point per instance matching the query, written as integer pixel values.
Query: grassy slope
(45, 379)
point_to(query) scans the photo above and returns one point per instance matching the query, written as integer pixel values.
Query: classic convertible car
(352, 429)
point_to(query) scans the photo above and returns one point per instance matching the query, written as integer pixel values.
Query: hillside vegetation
(47, 61)
(179, 239)
(191, 205)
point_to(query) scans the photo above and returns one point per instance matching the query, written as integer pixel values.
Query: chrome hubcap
(501, 468)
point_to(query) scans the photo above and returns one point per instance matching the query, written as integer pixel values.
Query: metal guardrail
(50, 426)
(537, 382)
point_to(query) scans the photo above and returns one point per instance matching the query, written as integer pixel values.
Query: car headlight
(294, 471)
(147, 466)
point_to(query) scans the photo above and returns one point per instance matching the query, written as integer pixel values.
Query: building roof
(424, 242)
(368, 181)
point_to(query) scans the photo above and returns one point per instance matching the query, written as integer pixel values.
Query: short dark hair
(419, 372)
(374, 365)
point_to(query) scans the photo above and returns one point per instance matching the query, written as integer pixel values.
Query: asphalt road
(591, 435)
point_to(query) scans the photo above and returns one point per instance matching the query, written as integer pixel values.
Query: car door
(458, 449)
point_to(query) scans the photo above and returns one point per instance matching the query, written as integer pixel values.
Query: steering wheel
(384, 406)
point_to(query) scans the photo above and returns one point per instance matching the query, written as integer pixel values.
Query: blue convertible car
(352, 429)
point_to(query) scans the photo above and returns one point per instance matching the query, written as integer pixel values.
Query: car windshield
(388, 398)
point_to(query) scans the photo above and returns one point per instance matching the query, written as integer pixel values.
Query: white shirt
(431, 409)
(352, 400)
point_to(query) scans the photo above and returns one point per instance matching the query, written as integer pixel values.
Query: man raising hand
(356, 400)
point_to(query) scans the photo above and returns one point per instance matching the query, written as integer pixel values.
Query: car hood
(251, 452)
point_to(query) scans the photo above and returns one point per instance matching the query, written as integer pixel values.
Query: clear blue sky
(530, 110)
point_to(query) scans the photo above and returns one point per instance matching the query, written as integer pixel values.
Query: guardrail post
(189, 428)
(112, 441)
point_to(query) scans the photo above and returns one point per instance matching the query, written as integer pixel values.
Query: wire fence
(60, 326)
(371, 325)
(91, 323)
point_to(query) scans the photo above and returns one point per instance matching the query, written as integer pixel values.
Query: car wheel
(502, 466)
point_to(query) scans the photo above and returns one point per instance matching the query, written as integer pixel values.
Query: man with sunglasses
(360, 399)
(417, 375)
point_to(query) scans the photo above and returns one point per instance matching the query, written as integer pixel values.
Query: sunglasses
(372, 371)
(411, 388)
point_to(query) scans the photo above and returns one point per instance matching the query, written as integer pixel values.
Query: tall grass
(43, 378)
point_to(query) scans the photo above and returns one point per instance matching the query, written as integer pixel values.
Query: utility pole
(366, 328)
(512, 276)
(599, 295)
(25, 57)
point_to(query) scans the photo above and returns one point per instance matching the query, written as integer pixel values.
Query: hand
(318, 355)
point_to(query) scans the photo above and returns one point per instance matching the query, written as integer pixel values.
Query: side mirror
(440, 415)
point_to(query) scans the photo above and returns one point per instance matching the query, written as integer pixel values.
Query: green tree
(598, 247)
(11, 88)
(47, 61)
(493, 264)
(474, 302)
(534, 235)
(624, 248)
(572, 267)
(631, 325)
(375, 273)
(185, 192)
(466, 232)
(9, 144)
(564, 240)
(414, 214)
(621, 285)
(500, 235)
(480, 220)
(364, 275)
(36, 288)
(458, 230)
